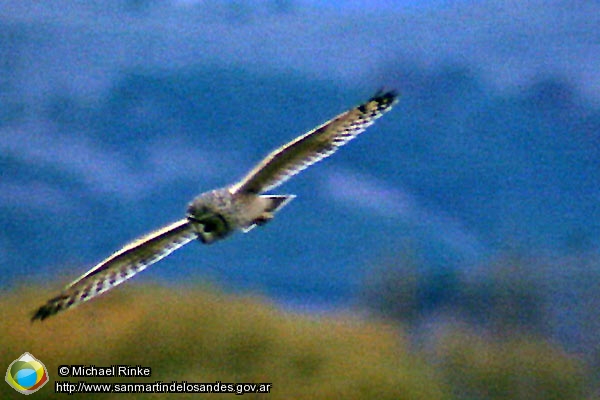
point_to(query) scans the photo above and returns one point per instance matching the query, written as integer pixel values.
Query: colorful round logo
(27, 374)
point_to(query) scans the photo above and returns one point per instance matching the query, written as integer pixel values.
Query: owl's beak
(204, 237)
(210, 229)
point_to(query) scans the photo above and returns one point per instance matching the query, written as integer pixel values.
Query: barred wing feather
(302, 152)
(122, 265)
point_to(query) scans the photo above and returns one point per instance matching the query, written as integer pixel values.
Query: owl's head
(209, 223)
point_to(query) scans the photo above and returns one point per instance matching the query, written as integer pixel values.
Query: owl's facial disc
(209, 226)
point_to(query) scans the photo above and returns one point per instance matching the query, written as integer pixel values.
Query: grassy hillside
(206, 336)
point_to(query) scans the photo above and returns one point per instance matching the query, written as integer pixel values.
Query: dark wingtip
(43, 312)
(49, 309)
(385, 97)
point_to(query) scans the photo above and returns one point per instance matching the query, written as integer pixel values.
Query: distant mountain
(514, 169)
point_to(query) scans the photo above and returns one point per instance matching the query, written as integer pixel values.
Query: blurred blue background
(113, 115)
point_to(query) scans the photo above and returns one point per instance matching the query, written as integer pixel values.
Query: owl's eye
(210, 225)
(214, 224)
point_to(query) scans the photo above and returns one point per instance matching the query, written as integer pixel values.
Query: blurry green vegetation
(198, 335)
(480, 367)
(206, 336)
(517, 328)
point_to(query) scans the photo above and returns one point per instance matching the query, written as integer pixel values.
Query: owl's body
(216, 214)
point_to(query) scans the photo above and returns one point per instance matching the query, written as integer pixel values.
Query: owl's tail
(274, 203)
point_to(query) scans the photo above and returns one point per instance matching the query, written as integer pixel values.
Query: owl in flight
(216, 214)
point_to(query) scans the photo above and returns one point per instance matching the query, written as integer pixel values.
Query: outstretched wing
(313, 146)
(119, 267)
